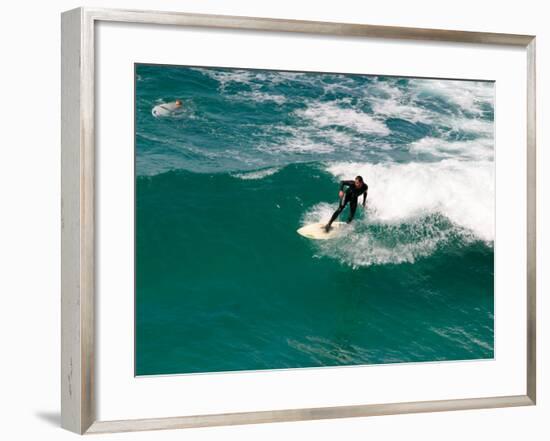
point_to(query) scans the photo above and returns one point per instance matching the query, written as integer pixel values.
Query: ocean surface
(224, 282)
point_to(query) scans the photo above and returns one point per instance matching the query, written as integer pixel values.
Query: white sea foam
(481, 148)
(280, 76)
(470, 125)
(324, 114)
(257, 174)
(462, 191)
(344, 84)
(260, 97)
(224, 77)
(389, 101)
(396, 109)
(340, 138)
(468, 95)
(373, 242)
(301, 141)
(317, 141)
(255, 78)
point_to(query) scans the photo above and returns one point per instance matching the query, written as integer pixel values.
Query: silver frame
(78, 401)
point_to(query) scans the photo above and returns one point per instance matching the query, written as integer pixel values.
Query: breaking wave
(413, 210)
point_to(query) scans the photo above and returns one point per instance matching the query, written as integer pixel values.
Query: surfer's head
(358, 181)
(178, 103)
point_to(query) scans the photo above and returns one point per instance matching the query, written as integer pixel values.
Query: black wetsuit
(351, 196)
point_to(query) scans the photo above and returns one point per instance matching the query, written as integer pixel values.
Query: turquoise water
(224, 282)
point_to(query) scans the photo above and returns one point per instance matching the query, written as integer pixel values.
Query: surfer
(355, 189)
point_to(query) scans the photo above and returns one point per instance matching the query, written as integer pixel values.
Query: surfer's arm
(348, 183)
(365, 196)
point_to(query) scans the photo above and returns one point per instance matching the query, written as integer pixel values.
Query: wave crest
(462, 191)
(256, 174)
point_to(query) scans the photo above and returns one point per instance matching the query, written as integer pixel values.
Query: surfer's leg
(352, 208)
(334, 216)
(339, 210)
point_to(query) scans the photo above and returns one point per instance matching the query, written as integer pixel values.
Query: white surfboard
(317, 230)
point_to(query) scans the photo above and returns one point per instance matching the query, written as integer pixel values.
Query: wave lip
(256, 174)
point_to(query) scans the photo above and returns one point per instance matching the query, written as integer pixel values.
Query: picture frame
(78, 234)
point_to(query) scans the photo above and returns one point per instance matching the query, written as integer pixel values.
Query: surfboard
(317, 230)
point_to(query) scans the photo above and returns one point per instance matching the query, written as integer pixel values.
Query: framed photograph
(277, 220)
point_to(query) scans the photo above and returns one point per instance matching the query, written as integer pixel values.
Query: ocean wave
(325, 114)
(255, 79)
(461, 337)
(481, 148)
(296, 140)
(408, 112)
(463, 107)
(474, 126)
(260, 97)
(225, 77)
(373, 242)
(470, 96)
(413, 210)
(322, 350)
(462, 191)
(389, 101)
(318, 117)
(257, 174)
(388, 95)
